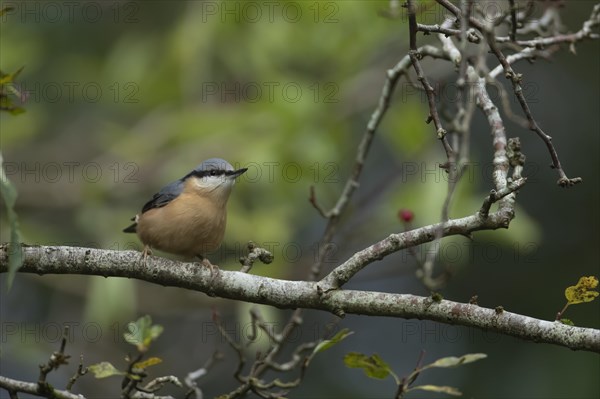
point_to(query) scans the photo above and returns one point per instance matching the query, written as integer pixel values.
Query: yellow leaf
(582, 292)
(147, 363)
(435, 388)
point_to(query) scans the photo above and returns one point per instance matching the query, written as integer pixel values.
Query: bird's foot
(214, 269)
(144, 256)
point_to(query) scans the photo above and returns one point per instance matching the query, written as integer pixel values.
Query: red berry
(406, 215)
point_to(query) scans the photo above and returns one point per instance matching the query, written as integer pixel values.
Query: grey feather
(167, 194)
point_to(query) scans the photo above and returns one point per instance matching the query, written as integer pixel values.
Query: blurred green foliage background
(124, 97)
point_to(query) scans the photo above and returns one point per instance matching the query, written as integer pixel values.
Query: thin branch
(81, 371)
(393, 76)
(539, 25)
(396, 242)
(31, 388)
(513, 20)
(457, 13)
(413, 26)
(313, 201)
(160, 382)
(516, 79)
(414, 57)
(584, 33)
(428, 29)
(234, 345)
(56, 360)
(449, 47)
(294, 321)
(259, 322)
(147, 395)
(470, 34)
(458, 163)
(499, 141)
(465, 6)
(497, 195)
(255, 253)
(193, 376)
(525, 54)
(133, 376)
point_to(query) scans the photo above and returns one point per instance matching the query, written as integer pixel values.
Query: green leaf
(373, 365)
(6, 9)
(142, 333)
(337, 338)
(104, 369)
(10, 77)
(16, 110)
(453, 361)
(437, 388)
(15, 252)
(567, 322)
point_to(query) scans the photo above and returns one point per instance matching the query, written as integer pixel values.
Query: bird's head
(213, 177)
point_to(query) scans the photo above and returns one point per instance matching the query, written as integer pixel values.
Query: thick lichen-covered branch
(306, 294)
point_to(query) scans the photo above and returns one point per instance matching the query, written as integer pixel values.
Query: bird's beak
(236, 173)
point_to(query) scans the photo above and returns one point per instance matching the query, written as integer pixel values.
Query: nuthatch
(188, 216)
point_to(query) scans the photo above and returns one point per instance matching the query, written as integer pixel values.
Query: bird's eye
(214, 173)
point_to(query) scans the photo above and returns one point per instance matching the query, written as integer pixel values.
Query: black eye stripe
(205, 173)
(213, 172)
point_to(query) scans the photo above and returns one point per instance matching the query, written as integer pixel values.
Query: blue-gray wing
(164, 196)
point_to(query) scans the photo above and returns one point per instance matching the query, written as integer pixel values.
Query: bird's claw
(144, 256)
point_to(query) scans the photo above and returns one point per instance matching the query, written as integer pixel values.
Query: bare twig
(414, 57)
(465, 6)
(497, 195)
(395, 242)
(234, 345)
(259, 322)
(81, 371)
(313, 200)
(15, 386)
(133, 377)
(513, 20)
(516, 79)
(445, 30)
(160, 382)
(409, 379)
(584, 33)
(458, 163)
(393, 75)
(192, 377)
(470, 34)
(56, 360)
(255, 253)
(525, 54)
